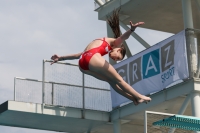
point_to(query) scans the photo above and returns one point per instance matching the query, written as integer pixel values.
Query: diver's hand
(55, 58)
(134, 26)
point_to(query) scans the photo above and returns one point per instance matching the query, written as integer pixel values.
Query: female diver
(92, 63)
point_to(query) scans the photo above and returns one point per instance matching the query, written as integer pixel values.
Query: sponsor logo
(159, 61)
(150, 63)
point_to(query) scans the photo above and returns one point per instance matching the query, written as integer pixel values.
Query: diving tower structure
(60, 103)
(167, 16)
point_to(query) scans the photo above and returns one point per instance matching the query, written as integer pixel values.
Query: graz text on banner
(155, 68)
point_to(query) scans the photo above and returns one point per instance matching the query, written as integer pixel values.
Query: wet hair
(113, 21)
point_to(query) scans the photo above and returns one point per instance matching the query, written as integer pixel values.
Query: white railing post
(145, 122)
(14, 89)
(52, 93)
(83, 111)
(43, 83)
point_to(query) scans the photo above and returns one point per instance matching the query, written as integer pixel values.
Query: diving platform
(167, 16)
(67, 100)
(77, 120)
(52, 118)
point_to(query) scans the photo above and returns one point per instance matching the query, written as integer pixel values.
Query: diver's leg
(114, 86)
(99, 65)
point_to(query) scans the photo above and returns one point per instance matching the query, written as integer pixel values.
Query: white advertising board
(154, 68)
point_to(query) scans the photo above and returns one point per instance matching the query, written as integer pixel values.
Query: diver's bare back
(97, 42)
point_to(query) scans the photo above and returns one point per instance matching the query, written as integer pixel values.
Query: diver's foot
(144, 99)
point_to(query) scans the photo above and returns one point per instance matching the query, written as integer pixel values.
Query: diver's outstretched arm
(56, 58)
(126, 35)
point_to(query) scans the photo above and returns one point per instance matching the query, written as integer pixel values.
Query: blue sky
(33, 30)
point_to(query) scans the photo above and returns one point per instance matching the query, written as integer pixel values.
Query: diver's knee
(118, 80)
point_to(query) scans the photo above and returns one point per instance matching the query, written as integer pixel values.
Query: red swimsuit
(87, 55)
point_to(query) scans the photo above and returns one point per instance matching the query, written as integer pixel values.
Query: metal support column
(187, 14)
(117, 126)
(188, 23)
(195, 102)
(110, 34)
(195, 105)
(198, 4)
(182, 110)
(191, 48)
(198, 51)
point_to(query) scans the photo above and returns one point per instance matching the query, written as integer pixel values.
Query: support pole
(184, 105)
(43, 84)
(198, 38)
(198, 4)
(187, 14)
(117, 126)
(188, 23)
(145, 122)
(191, 47)
(52, 94)
(138, 38)
(83, 111)
(195, 105)
(182, 110)
(14, 89)
(198, 51)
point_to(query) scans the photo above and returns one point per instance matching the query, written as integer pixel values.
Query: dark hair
(113, 21)
(123, 51)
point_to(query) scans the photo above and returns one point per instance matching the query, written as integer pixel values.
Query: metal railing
(64, 85)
